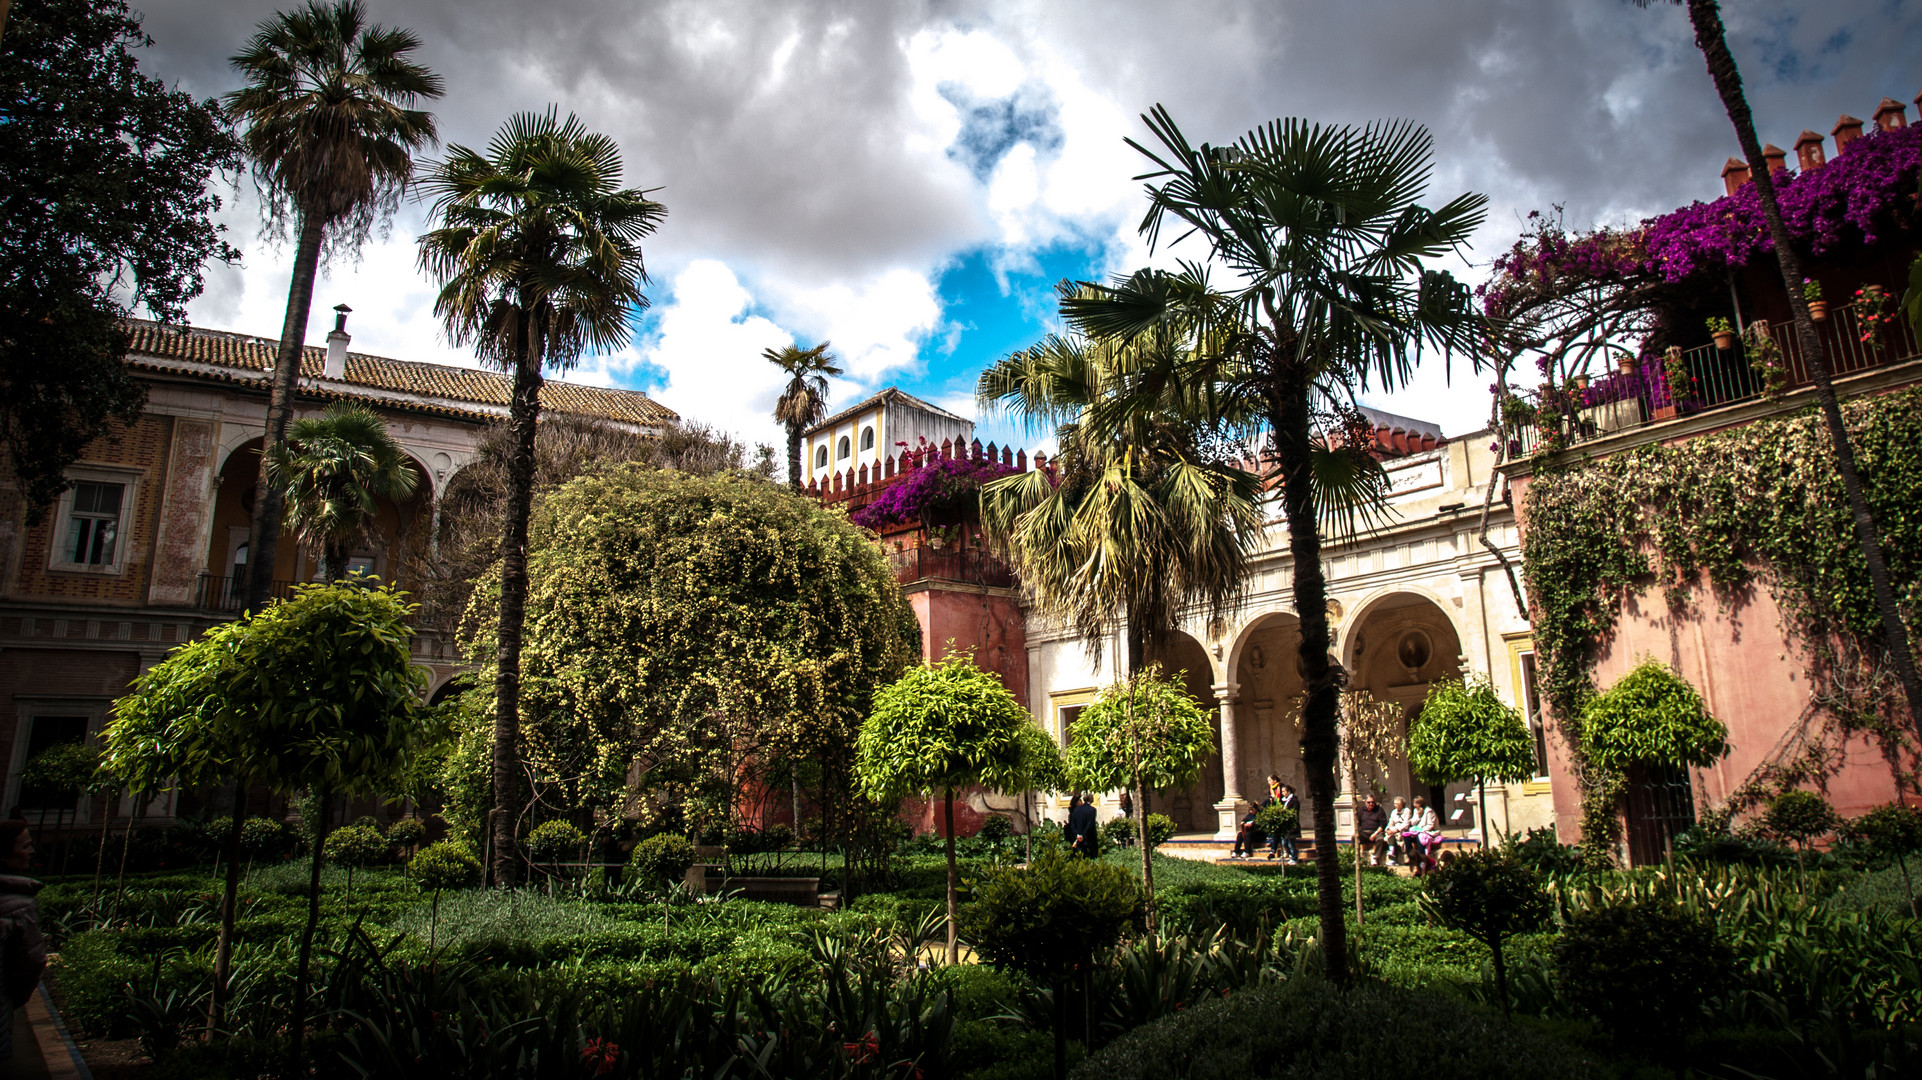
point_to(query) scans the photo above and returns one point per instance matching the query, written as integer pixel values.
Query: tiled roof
(894, 393)
(438, 387)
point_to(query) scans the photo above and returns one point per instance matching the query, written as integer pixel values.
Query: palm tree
(331, 128)
(1705, 16)
(1148, 511)
(538, 257)
(804, 401)
(331, 470)
(1323, 228)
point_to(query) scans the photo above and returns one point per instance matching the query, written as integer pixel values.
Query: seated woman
(1247, 836)
(1423, 834)
(1399, 819)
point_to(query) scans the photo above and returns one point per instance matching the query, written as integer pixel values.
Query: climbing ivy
(1759, 506)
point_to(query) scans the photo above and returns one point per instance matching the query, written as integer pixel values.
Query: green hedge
(1311, 1030)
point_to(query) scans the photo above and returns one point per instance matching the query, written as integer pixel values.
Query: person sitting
(1247, 835)
(1424, 832)
(1371, 831)
(1290, 837)
(1398, 822)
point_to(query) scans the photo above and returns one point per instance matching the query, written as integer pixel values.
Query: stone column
(186, 495)
(1228, 810)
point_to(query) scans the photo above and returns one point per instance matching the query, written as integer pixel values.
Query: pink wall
(991, 624)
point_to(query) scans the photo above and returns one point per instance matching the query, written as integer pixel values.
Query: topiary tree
(1147, 732)
(1490, 895)
(661, 858)
(1641, 967)
(1650, 716)
(940, 727)
(450, 864)
(1800, 817)
(356, 847)
(1048, 919)
(406, 833)
(1891, 832)
(554, 841)
(1465, 732)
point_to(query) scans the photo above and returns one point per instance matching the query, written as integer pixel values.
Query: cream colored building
(874, 430)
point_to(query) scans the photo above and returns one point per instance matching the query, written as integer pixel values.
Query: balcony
(218, 592)
(1722, 378)
(970, 566)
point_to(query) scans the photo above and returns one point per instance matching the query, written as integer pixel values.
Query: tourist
(1082, 832)
(1424, 832)
(23, 951)
(1371, 831)
(1398, 822)
(1247, 835)
(1288, 838)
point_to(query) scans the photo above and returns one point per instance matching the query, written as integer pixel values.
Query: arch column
(1228, 810)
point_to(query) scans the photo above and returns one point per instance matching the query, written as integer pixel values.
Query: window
(821, 456)
(1532, 710)
(842, 450)
(1069, 714)
(93, 524)
(867, 438)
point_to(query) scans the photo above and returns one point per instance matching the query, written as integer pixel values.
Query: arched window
(821, 456)
(843, 448)
(867, 438)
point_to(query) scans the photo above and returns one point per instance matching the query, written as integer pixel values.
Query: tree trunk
(794, 457)
(1321, 737)
(264, 533)
(1501, 975)
(525, 414)
(1147, 856)
(229, 911)
(297, 1023)
(954, 888)
(336, 562)
(1060, 1030)
(1706, 17)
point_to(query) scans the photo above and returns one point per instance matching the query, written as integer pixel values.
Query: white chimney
(337, 339)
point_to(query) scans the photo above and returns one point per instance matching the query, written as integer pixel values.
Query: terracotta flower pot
(1627, 365)
(1819, 310)
(1724, 339)
(1665, 412)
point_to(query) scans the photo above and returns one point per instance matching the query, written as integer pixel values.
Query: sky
(909, 179)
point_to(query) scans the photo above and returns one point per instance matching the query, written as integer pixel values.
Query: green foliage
(662, 858)
(1800, 816)
(1651, 715)
(449, 864)
(1148, 731)
(943, 725)
(1275, 819)
(997, 827)
(264, 838)
(1161, 829)
(332, 471)
(106, 183)
(406, 833)
(1306, 1029)
(555, 841)
(1643, 967)
(68, 770)
(1705, 843)
(1490, 896)
(1465, 732)
(1542, 851)
(1049, 918)
(356, 846)
(1890, 831)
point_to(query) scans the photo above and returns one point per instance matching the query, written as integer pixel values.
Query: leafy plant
(1466, 732)
(1719, 325)
(1765, 359)
(1811, 289)
(1891, 832)
(1542, 851)
(661, 858)
(1651, 715)
(406, 833)
(1800, 817)
(555, 841)
(1275, 819)
(1641, 966)
(264, 838)
(996, 828)
(1491, 896)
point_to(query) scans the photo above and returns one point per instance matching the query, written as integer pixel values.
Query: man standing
(1081, 825)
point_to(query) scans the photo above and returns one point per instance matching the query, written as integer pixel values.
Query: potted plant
(1722, 332)
(1812, 292)
(1681, 384)
(1765, 356)
(1872, 312)
(1627, 364)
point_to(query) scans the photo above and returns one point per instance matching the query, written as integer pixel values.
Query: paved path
(41, 1048)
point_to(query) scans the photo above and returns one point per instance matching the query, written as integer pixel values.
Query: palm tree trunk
(1320, 738)
(954, 887)
(1706, 17)
(794, 456)
(525, 413)
(297, 1023)
(229, 911)
(264, 536)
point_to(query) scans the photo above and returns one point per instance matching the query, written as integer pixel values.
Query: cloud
(708, 348)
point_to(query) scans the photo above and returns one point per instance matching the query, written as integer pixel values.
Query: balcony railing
(968, 565)
(1721, 378)
(218, 592)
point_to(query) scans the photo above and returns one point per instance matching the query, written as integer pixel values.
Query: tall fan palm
(1705, 16)
(1148, 512)
(331, 471)
(804, 401)
(1323, 229)
(538, 256)
(330, 125)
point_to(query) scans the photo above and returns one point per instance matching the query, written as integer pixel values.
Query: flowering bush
(1765, 357)
(942, 491)
(1872, 312)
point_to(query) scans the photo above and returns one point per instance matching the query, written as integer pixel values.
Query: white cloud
(877, 325)
(710, 348)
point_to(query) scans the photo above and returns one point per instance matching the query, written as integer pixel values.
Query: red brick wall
(142, 445)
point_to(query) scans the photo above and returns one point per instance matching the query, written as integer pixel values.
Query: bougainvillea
(943, 491)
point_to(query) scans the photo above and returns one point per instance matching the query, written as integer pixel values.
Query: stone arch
(1400, 641)
(1193, 807)
(1265, 670)
(1394, 596)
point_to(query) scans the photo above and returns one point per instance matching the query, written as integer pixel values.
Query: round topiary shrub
(1117, 831)
(356, 846)
(1491, 896)
(264, 838)
(995, 828)
(450, 864)
(1278, 820)
(1643, 968)
(778, 836)
(555, 841)
(1161, 829)
(1800, 817)
(406, 833)
(662, 858)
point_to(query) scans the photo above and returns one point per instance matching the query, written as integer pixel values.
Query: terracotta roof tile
(245, 353)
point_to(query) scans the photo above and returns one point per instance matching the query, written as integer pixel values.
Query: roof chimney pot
(1808, 151)
(1847, 130)
(337, 339)
(1734, 175)
(1777, 158)
(1890, 115)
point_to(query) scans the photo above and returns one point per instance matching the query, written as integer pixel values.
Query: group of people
(1286, 840)
(1408, 835)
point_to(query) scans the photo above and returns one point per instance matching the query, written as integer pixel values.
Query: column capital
(1226, 691)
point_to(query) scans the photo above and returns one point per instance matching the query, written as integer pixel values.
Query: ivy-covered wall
(1732, 557)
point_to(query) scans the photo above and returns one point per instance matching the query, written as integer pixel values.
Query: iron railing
(218, 592)
(1719, 378)
(968, 565)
